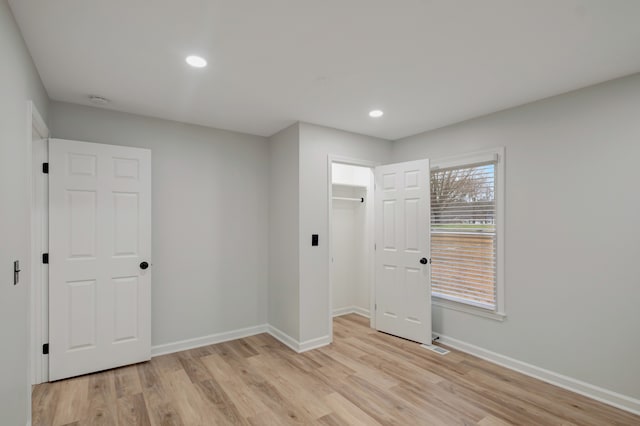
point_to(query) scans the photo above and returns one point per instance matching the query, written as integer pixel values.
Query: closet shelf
(346, 185)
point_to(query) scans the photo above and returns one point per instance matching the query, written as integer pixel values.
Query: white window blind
(463, 234)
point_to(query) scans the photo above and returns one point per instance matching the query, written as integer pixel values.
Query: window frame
(488, 155)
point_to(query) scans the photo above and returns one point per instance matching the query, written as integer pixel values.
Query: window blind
(463, 234)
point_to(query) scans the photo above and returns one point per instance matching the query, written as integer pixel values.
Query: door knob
(424, 261)
(144, 265)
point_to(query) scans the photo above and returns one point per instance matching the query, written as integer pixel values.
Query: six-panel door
(403, 290)
(100, 232)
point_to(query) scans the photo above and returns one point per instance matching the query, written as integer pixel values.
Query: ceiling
(425, 63)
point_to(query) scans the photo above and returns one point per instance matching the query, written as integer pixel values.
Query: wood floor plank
(348, 412)
(437, 409)
(214, 393)
(193, 366)
(376, 376)
(166, 363)
(383, 406)
(127, 381)
(101, 393)
(72, 403)
(44, 402)
(291, 388)
(193, 410)
(269, 394)
(363, 378)
(148, 375)
(330, 419)
(492, 421)
(242, 396)
(161, 405)
(132, 410)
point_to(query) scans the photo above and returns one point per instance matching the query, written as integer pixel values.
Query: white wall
(346, 221)
(284, 303)
(572, 238)
(343, 249)
(316, 144)
(210, 218)
(19, 82)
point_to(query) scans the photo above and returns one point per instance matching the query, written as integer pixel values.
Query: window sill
(461, 307)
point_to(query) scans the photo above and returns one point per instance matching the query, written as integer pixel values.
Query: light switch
(16, 272)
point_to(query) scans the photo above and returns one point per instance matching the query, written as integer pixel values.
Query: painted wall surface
(572, 240)
(348, 217)
(316, 144)
(19, 83)
(283, 298)
(209, 219)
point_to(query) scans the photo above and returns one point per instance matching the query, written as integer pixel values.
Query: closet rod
(360, 200)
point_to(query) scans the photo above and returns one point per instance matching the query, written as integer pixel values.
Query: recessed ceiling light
(196, 61)
(376, 113)
(99, 100)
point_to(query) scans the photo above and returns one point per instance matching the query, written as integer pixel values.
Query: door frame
(372, 287)
(37, 322)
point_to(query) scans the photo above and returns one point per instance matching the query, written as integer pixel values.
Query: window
(466, 233)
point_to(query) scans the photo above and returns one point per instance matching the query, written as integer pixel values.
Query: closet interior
(351, 239)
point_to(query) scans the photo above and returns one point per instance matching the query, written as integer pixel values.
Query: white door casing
(39, 270)
(100, 232)
(403, 285)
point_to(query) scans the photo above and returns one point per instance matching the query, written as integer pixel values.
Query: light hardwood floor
(363, 378)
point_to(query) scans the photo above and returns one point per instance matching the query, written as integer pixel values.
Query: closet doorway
(388, 206)
(351, 224)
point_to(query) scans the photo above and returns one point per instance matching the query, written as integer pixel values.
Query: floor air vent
(436, 349)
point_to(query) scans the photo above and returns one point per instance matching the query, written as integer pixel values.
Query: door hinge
(375, 307)
(375, 247)
(45, 167)
(45, 349)
(45, 258)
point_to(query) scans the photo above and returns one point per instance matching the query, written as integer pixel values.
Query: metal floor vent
(436, 349)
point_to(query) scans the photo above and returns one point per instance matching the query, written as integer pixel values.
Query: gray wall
(19, 82)
(210, 218)
(572, 239)
(316, 143)
(284, 290)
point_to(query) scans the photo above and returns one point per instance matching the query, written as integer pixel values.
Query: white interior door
(403, 285)
(100, 235)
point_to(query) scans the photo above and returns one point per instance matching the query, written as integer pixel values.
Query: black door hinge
(45, 258)
(45, 167)
(45, 349)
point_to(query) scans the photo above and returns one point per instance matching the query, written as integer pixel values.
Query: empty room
(340, 212)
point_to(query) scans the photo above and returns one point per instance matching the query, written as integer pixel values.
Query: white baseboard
(294, 344)
(361, 311)
(283, 337)
(351, 310)
(211, 339)
(314, 343)
(591, 391)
